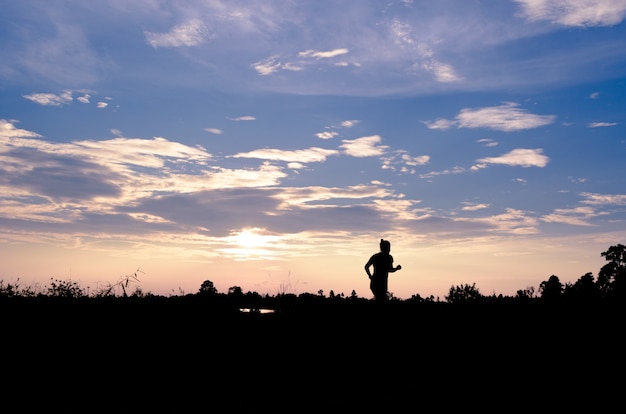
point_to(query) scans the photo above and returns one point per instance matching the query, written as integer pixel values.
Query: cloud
(191, 33)
(474, 206)
(487, 142)
(243, 118)
(215, 131)
(426, 60)
(575, 12)
(516, 158)
(578, 216)
(267, 66)
(302, 156)
(413, 161)
(323, 55)
(349, 123)
(50, 99)
(84, 99)
(101, 105)
(512, 221)
(363, 147)
(431, 174)
(604, 199)
(506, 117)
(8, 130)
(275, 63)
(601, 124)
(326, 134)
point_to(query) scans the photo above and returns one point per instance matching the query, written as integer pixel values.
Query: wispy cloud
(363, 147)
(326, 134)
(601, 124)
(513, 221)
(578, 216)
(243, 118)
(298, 63)
(215, 131)
(575, 12)
(425, 58)
(506, 117)
(190, 33)
(604, 199)
(474, 206)
(520, 157)
(8, 130)
(302, 156)
(349, 123)
(323, 54)
(50, 99)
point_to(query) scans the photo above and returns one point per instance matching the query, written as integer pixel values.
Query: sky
(270, 145)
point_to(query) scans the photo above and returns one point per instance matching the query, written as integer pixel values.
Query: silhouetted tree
(65, 289)
(207, 288)
(527, 293)
(235, 291)
(584, 289)
(551, 289)
(463, 293)
(612, 276)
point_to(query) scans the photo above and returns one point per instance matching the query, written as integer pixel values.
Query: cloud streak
(506, 117)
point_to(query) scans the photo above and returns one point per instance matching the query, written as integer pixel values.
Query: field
(177, 355)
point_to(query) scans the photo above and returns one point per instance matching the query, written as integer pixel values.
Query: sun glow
(251, 238)
(252, 243)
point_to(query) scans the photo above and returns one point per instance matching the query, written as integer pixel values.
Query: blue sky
(271, 144)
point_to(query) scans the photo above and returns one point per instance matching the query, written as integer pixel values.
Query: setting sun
(251, 238)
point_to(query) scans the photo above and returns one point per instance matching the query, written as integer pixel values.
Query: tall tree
(612, 276)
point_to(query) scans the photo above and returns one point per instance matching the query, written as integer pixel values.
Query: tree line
(609, 285)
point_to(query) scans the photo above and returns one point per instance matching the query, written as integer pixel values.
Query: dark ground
(187, 357)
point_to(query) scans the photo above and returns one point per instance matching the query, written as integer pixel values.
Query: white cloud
(440, 124)
(426, 60)
(431, 174)
(604, 199)
(8, 130)
(50, 99)
(349, 123)
(304, 156)
(474, 206)
(102, 105)
(516, 158)
(84, 99)
(215, 131)
(363, 147)
(323, 55)
(512, 221)
(506, 117)
(326, 134)
(575, 12)
(601, 124)
(190, 33)
(243, 118)
(274, 63)
(578, 216)
(488, 142)
(267, 66)
(413, 161)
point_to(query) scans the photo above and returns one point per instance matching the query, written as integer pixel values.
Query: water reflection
(255, 310)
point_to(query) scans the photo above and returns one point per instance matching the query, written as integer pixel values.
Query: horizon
(270, 146)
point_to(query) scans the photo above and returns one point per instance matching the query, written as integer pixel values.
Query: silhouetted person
(383, 265)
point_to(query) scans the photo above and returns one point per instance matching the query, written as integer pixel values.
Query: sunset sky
(270, 145)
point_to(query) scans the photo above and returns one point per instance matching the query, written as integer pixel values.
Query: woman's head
(385, 246)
